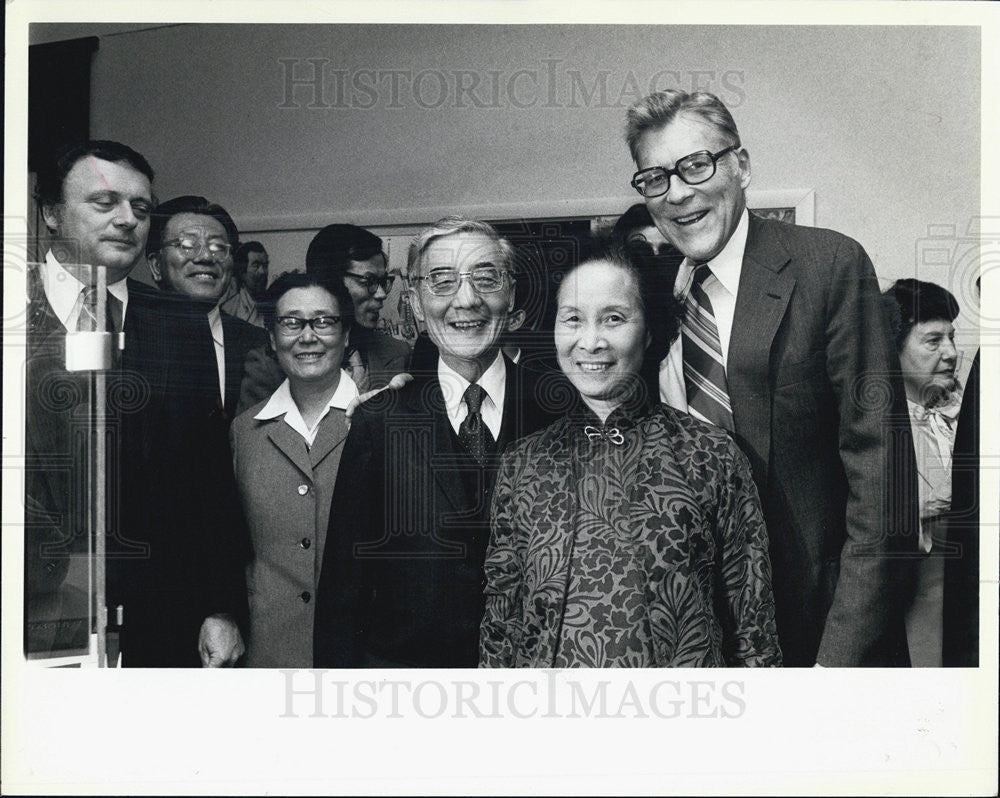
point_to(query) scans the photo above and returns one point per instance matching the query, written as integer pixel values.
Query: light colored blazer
(286, 490)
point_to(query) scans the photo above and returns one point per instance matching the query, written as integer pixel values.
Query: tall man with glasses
(402, 577)
(784, 344)
(352, 255)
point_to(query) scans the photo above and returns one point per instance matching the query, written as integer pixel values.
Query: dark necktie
(472, 432)
(704, 373)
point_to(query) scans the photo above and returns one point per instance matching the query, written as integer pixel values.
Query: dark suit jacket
(185, 542)
(402, 577)
(820, 410)
(961, 572)
(175, 548)
(239, 338)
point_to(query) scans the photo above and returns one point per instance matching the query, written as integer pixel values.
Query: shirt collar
(62, 289)
(281, 401)
(727, 265)
(453, 384)
(231, 291)
(948, 409)
(215, 323)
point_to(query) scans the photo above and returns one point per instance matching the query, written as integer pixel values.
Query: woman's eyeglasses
(293, 325)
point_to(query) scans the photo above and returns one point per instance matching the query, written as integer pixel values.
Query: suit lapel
(148, 337)
(764, 292)
(510, 418)
(331, 433)
(444, 454)
(424, 403)
(234, 350)
(290, 443)
(42, 321)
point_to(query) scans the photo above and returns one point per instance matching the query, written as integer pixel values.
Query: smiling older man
(402, 578)
(784, 344)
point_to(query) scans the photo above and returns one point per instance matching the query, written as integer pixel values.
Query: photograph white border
(806, 732)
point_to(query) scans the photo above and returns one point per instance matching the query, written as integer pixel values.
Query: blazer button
(305, 543)
(303, 490)
(305, 596)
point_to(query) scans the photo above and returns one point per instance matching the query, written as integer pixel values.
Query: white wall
(883, 123)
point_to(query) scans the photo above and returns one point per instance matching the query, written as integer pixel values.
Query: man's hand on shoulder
(395, 384)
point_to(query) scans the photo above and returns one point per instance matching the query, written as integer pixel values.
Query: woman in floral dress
(626, 534)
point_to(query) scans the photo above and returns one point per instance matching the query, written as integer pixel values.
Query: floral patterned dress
(635, 543)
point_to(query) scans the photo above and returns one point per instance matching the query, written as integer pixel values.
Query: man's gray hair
(450, 225)
(659, 109)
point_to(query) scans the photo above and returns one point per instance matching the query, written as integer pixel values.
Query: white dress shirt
(933, 441)
(215, 323)
(64, 291)
(282, 403)
(721, 287)
(493, 381)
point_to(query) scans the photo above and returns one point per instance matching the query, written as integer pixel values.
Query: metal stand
(93, 352)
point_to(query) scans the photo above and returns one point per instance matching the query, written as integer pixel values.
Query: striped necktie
(87, 320)
(704, 373)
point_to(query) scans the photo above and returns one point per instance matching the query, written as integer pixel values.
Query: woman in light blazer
(286, 452)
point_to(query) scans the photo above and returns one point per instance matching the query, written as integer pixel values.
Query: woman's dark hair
(290, 280)
(661, 310)
(909, 302)
(189, 203)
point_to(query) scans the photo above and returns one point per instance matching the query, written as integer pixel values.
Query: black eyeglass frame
(373, 283)
(668, 173)
(310, 323)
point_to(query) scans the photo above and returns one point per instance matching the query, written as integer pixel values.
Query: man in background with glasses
(402, 577)
(353, 255)
(785, 345)
(348, 254)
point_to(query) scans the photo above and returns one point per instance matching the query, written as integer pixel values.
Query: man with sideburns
(785, 345)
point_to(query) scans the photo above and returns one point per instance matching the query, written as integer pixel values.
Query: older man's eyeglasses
(372, 283)
(693, 169)
(445, 282)
(293, 325)
(191, 247)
